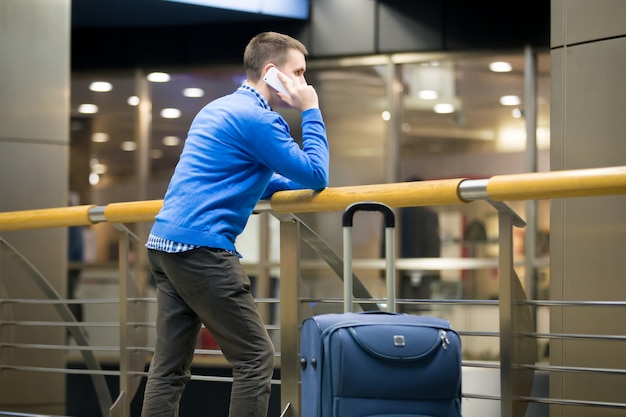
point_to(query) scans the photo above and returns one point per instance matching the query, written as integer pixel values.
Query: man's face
(294, 68)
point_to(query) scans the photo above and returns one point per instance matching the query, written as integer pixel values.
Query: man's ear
(266, 68)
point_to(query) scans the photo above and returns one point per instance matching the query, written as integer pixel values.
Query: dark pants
(207, 286)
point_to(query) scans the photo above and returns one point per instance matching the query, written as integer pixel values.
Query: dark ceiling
(122, 34)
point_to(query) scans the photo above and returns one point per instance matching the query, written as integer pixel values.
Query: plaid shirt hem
(166, 245)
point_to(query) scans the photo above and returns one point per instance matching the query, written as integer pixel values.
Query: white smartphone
(272, 80)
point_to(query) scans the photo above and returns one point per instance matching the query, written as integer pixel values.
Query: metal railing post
(505, 258)
(131, 360)
(124, 267)
(290, 316)
(514, 318)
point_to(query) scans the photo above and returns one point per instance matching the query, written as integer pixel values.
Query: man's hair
(268, 47)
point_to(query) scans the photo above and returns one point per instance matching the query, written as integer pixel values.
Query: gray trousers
(207, 286)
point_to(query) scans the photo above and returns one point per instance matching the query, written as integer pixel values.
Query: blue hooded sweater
(237, 152)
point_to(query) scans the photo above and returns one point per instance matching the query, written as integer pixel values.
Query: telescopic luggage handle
(347, 222)
(348, 214)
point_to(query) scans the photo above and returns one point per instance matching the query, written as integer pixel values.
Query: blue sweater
(237, 152)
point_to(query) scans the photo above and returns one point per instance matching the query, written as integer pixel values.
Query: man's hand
(303, 96)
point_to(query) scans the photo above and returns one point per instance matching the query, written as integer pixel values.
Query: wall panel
(34, 96)
(592, 20)
(587, 234)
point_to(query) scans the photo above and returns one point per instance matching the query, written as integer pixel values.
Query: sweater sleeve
(279, 183)
(297, 166)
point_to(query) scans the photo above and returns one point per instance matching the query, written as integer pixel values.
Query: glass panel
(479, 138)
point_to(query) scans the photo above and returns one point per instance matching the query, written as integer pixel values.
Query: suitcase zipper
(444, 339)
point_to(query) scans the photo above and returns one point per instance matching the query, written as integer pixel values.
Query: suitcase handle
(348, 214)
(347, 222)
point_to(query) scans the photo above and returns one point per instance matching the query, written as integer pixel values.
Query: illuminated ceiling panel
(294, 9)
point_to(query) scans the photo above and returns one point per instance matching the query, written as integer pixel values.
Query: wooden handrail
(532, 186)
(404, 194)
(45, 218)
(558, 184)
(131, 212)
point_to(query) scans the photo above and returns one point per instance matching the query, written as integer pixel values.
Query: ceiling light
(128, 146)
(293, 9)
(94, 178)
(193, 92)
(88, 109)
(159, 77)
(100, 137)
(171, 140)
(99, 169)
(443, 108)
(170, 113)
(133, 100)
(101, 86)
(428, 94)
(386, 115)
(156, 154)
(517, 113)
(510, 100)
(500, 66)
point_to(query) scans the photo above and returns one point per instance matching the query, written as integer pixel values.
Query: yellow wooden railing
(513, 187)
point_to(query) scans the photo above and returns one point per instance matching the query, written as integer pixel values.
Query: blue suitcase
(376, 363)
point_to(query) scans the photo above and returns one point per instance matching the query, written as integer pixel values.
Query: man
(238, 150)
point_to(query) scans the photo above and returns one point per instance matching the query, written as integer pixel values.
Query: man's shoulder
(239, 103)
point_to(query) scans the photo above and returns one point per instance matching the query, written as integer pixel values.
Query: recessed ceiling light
(386, 115)
(443, 108)
(128, 146)
(101, 86)
(170, 113)
(156, 154)
(500, 66)
(99, 169)
(517, 113)
(193, 92)
(428, 94)
(159, 77)
(88, 109)
(100, 137)
(133, 100)
(171, 140)
(510, 100)
(94, 178)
